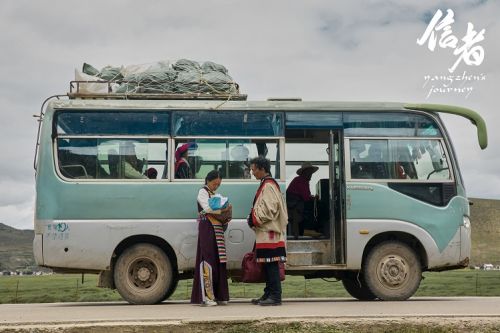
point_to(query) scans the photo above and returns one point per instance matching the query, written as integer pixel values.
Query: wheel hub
(143, 273)
(393, 271)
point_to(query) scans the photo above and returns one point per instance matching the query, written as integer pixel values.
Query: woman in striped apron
(210, 285)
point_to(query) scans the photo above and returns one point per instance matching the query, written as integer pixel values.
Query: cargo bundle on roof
(182, 79)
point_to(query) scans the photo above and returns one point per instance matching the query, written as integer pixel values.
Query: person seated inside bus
(298, 197)
(238, 167)
(182, 167)
(151, 173)
(404, 167)
(132, 166)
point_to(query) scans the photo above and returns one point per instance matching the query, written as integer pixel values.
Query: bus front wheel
(143, 274)
(354, 283)
(392, 271)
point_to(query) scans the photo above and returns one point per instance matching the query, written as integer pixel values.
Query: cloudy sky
(318, 50)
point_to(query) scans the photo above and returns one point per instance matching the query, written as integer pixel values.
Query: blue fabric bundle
(218, 202)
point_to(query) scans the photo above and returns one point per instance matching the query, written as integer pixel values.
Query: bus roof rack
(106, 90)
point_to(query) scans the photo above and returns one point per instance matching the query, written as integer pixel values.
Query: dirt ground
(310, 325)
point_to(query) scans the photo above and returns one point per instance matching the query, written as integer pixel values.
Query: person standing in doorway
(298, 195)
(268, 218)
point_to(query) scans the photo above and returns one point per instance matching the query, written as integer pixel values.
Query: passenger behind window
(238, 167)
(182, 167)
(151, 173)
(404, 168)
(132, 166)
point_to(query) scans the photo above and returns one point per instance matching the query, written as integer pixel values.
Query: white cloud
(17, 192)
(19, 216)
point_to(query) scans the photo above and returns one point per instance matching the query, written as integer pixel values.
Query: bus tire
(354, 283)
(392, 271)
(143, 274)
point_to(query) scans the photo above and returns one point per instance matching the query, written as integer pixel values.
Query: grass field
(69, 288)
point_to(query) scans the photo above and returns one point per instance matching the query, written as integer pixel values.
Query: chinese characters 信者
(468, 52)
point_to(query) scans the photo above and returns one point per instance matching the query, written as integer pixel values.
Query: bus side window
(430, 160)
(420, 159)
(77, 158)
(230, 156)
(372, 156)
(369, 159)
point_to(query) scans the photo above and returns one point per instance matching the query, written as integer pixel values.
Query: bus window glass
(429, 159)
(398, 159)
(112, 122)
(230, 157)
(427, 127)
(78, 158)
(388, 124)
(81, 158)
(369, 159)
(309, 120)
(224, 123)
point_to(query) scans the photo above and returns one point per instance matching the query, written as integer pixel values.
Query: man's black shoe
(269, 301)
(256, 301)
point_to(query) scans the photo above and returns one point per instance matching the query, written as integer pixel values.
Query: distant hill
(485, 220)
(16, 246)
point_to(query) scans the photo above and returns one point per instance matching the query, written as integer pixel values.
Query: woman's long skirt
(210, 275)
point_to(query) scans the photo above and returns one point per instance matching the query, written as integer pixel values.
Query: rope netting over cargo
(182, 77)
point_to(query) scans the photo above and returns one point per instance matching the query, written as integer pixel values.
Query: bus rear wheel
(354, 283)
(392, 271)
(143, 274)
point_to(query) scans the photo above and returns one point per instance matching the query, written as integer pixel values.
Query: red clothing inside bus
(300, 187)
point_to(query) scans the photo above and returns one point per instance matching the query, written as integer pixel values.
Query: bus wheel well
(149, 239)
(403, 237)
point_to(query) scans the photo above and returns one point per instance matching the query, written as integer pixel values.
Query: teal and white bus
(390, 205)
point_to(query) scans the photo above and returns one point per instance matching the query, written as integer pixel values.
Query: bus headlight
(466, 222)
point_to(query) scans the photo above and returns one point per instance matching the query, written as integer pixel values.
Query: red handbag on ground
(253, 271)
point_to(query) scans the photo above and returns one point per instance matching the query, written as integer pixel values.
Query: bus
(390, 201)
